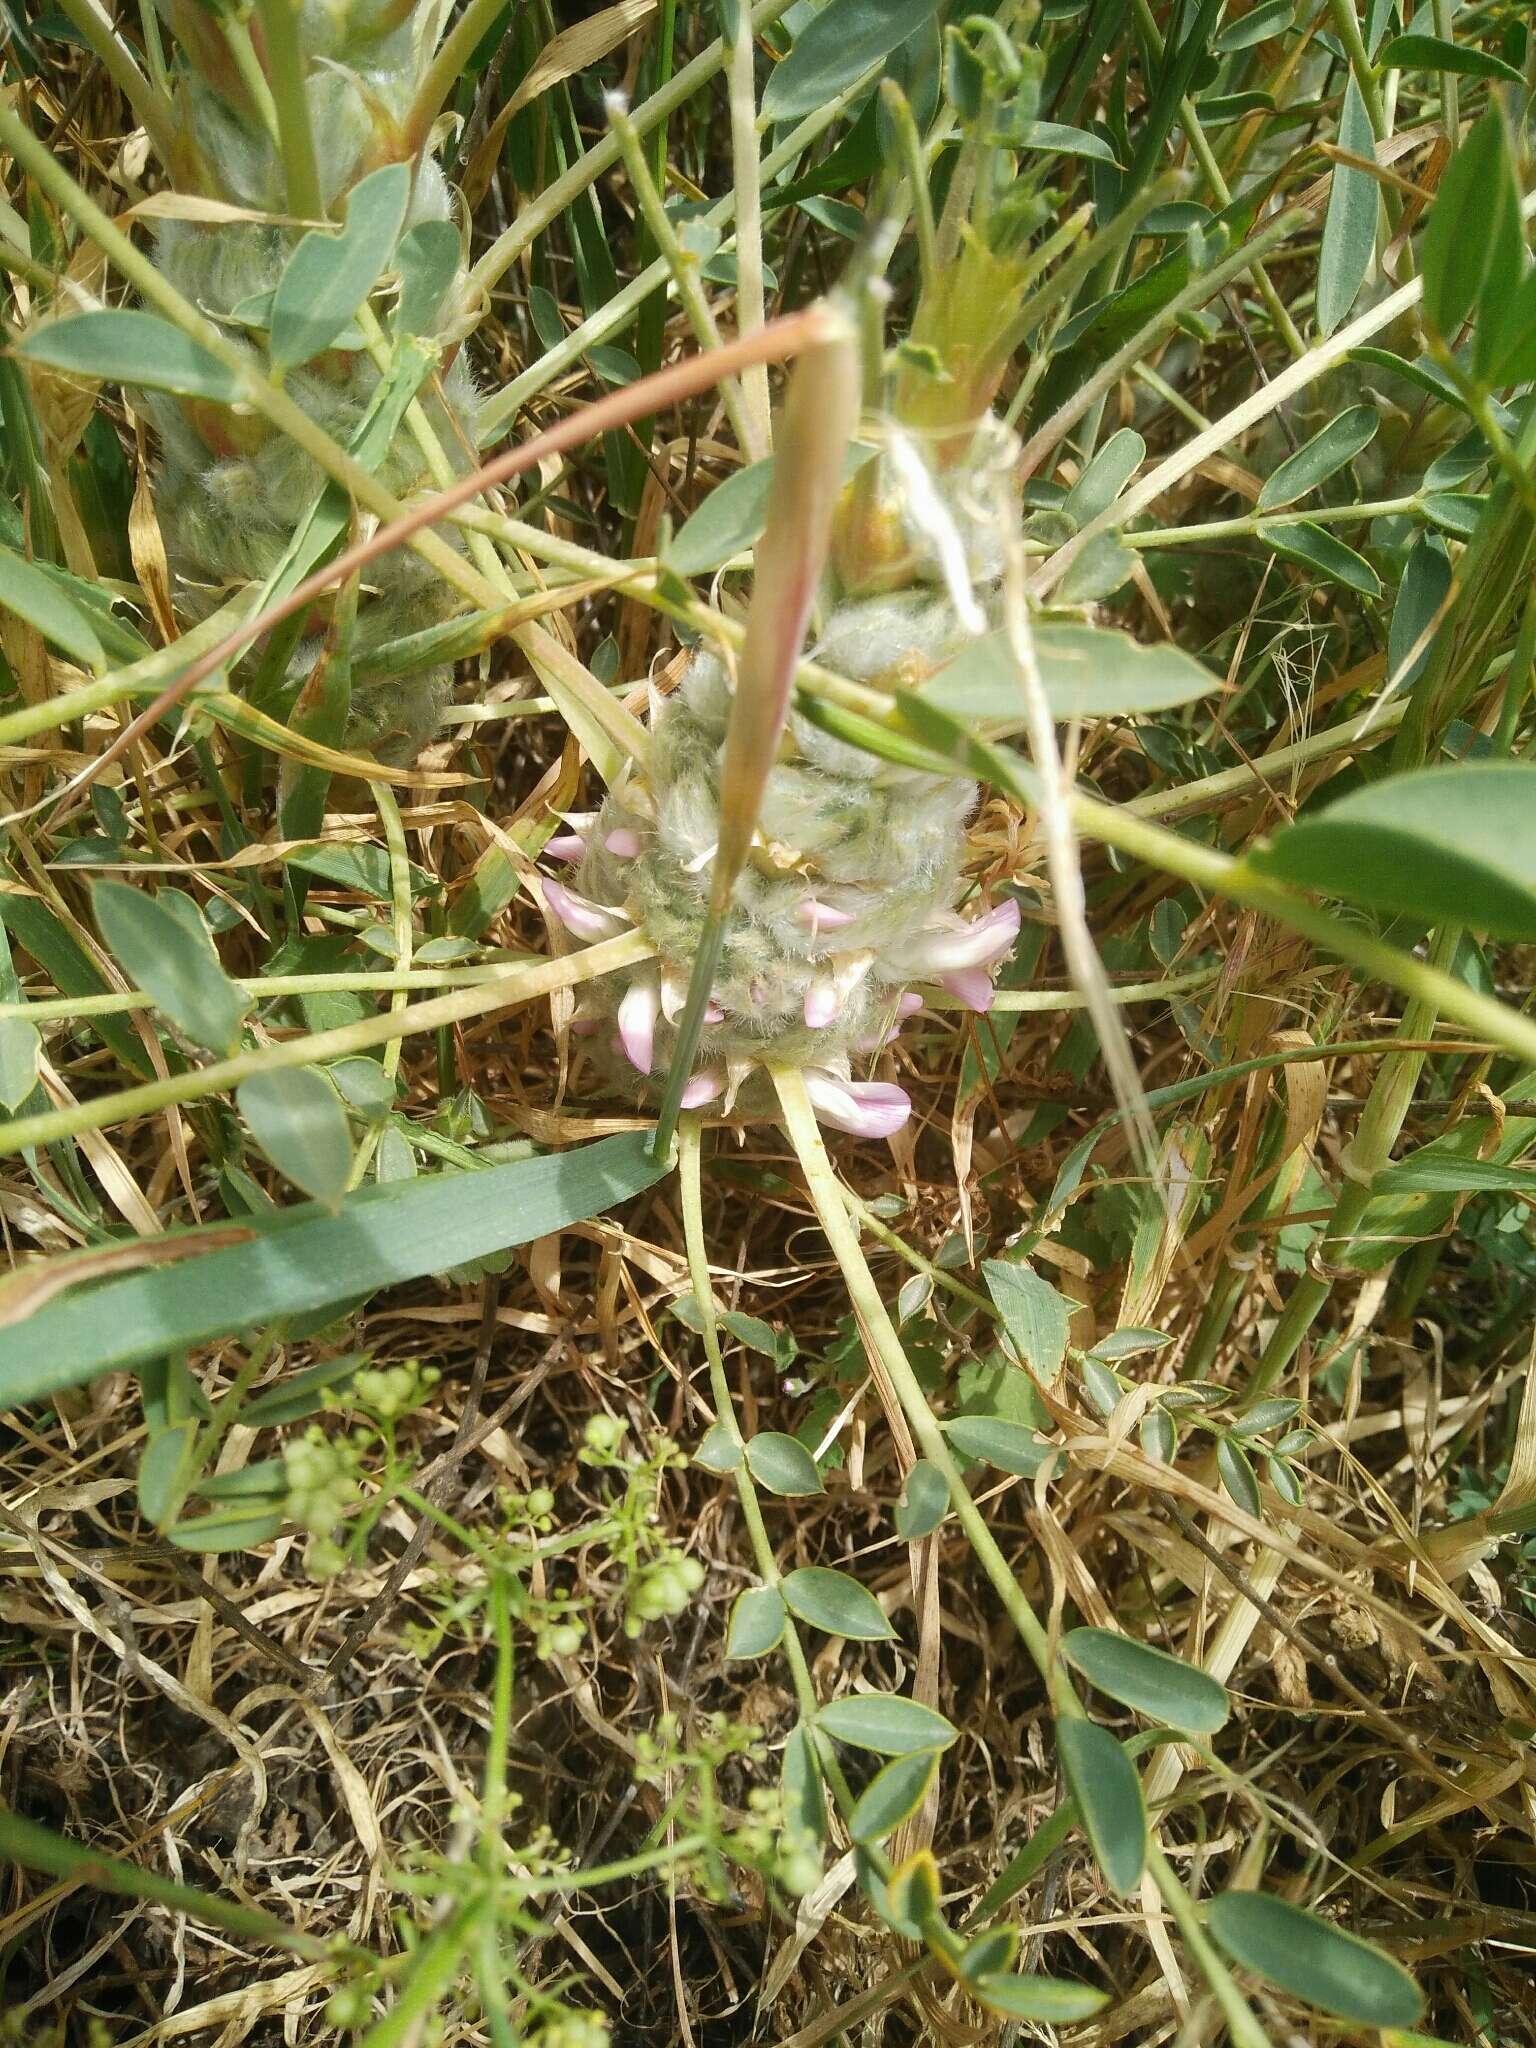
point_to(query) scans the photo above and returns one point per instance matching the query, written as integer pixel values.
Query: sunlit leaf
(886, 1723)
(1103, 1781)
(757, 1622)
(782, 1464)
(1456, 842)
(835, 47)
(1315, 1961)
(836, 1602)
(1162, 1687)
(164, 947)
(136, 349)
(893, 1795)
(329, 275)
(296, 1117)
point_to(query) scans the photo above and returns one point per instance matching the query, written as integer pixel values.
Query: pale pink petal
(637, 1024)
(713, 1014)
(622, 843)
(971, 986)
(942, 948)
(822, 1002)
(908, 1003)
(702, 1087)
(674, 994)
(869, 1109)
(586, 920)
(822, 917)
(566, 846)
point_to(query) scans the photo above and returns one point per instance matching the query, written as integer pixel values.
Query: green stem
(151, 109)
(746, 178)
(827, 1199)
(1346, 25)
(286, 67)
(1245, 2029)
(446, 69)
(685, 275)
(689, 1029)
(689, 1184)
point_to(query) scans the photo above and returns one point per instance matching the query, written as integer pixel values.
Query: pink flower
(637, 1023)
(945, 948)
(821, 917)
(832, 984)
(821, 1002)
(622, 843)
(869, 1109)
(702, 1087)
(566, 846)
(586, 920)
(973, 987)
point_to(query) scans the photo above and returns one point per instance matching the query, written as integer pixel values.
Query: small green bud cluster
(661, 1588)
(322, 1475)
(393, 1391)
(231, 488)
(786, 1855)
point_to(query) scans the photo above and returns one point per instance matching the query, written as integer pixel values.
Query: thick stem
(725, 1412)
(290, 96)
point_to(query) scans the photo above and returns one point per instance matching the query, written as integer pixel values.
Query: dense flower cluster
(854, 898)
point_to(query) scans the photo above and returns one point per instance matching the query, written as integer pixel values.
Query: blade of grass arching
(821, 412)
(518, 985)
(306, 1259)
(31, 1847)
